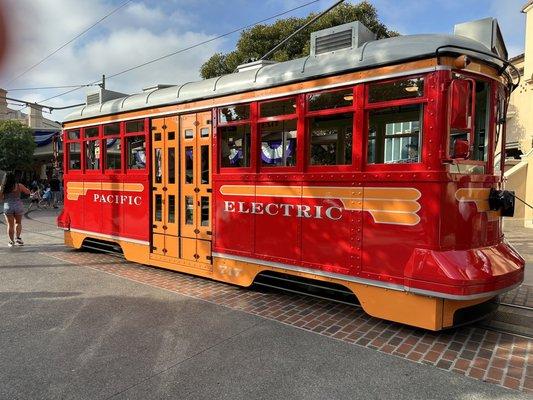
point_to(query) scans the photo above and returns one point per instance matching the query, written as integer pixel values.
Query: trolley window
(233, 113)
(278, 143)
(92, 155)
(112, 129)
(74, 156)
(113, 154)
(481, 124)
(73, 135)
(277, 129)
(91, 132)
(277, 108)
(235, 146)
(331, 139)
(135, 126)
(136, 152)
(401, 89)
(394, 134)
(330, 100)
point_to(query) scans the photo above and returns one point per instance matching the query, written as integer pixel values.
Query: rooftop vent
(346, 36)
(101, 96)
(254, 65)
(486, 31)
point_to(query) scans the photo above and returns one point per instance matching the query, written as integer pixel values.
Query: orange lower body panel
(426, 312)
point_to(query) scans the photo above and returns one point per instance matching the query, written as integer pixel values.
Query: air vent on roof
(101, 96)
(346, 36)
(335, 41)
(93, 98)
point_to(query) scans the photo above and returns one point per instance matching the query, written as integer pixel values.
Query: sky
(146, 29)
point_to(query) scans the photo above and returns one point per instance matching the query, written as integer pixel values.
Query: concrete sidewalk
(522, 240)
(71, 332)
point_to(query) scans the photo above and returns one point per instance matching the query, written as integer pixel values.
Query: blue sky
(146, 29)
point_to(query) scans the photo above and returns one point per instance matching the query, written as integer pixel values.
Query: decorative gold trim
(77, 189)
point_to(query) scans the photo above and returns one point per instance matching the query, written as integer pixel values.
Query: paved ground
(71, 331)
(522, 239)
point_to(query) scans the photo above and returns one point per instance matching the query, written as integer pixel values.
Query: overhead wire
(70, 41)
(188, 48)
(48, 87)
(30, 103)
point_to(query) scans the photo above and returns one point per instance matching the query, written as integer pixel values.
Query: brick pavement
(501, 359)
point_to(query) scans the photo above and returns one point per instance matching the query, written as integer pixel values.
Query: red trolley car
(368, 164)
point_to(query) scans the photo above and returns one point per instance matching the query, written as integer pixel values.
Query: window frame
(368, 107)
(252, 122)
(285, 117)
(67, 144)
(490, 121)
(85, 140)
(125, 151)
(307, 115)
(119, 136)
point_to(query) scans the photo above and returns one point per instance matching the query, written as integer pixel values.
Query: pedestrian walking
(13, 208)
(55, 187)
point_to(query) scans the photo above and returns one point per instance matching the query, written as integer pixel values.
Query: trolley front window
(469, 141)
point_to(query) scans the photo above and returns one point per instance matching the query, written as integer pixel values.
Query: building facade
(519, 140)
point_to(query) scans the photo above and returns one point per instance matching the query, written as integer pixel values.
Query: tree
(16, 146)
(257, 41)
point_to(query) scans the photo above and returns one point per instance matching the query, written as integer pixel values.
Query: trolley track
(511, 319)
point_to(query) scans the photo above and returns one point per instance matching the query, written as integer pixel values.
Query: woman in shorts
(13, 208)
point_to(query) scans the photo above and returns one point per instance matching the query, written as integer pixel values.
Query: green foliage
(16, 146)
(257, 41)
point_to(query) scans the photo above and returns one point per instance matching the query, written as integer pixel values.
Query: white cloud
(133, 35)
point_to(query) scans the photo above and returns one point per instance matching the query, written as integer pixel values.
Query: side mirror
(461, 94)
(461, 149)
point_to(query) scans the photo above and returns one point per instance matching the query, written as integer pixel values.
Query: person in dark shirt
(55, 188)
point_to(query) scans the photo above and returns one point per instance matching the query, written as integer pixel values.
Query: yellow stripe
(76, 189)
(392, 193)
(395, 218)
(391, 205)
(478, 196)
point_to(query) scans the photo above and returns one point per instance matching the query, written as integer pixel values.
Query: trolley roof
(371, 54)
